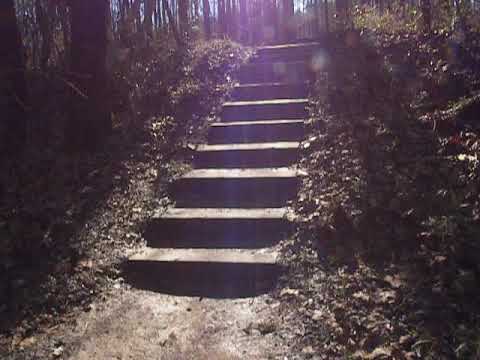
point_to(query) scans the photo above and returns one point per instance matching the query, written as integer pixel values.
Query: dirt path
(135, 324)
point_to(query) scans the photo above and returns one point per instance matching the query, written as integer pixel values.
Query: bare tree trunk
(316, 17)
(171, 21)
(63, 14)
(275, 21)
(90, 120)
(228, 18)
(243, 21)
(288, 17)
(13, 89)
(327, 19)
(156, 19)
(166, 18)
(206, 19)
(147, 21)
(196, 10)
(45, 30)
(183, 18)
(136, 14)
(221, 17)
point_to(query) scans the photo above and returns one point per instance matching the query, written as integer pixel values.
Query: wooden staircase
(231, 210)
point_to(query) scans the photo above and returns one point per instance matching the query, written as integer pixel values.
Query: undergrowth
(391, 203)
(66, 221)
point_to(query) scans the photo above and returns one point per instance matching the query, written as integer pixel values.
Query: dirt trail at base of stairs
(135, 324)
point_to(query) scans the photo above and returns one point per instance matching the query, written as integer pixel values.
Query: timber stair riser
(234, 192)
(211, 279)
(278, 72)
(265, 110)
(247, 158)
(216, 233)
(294, 52)
(249, 92)
(254, 132)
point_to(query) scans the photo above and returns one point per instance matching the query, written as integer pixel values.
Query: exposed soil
(136, 324)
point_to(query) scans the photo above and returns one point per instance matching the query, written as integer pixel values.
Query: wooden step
(276, 72)
(256, 188)
(204, 272)
(253, 155)
(265, 110)
(256, 131)
(234, 256)
(218, 228)
(286, 52)
(268, 91)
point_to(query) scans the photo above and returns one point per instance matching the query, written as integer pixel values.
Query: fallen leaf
(361, 296)
(27, 342)
(288, 291)
(394, 281)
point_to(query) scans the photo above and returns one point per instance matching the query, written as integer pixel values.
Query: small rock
(58, 351)
(317, 315)
(308, 351)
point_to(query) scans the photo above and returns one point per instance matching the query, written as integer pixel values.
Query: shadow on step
(216, 233)
(210, 280)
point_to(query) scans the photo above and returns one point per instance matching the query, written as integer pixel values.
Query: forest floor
(65, 296)
(385, 264)
(132, 324)
(115, 321)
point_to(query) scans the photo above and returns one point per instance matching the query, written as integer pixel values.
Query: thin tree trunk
(147, 21)
(136, 14)
(183, 18)
(166, 18)
(90, 120)
(45, 31)
(327, 19)
(274, 15)
(13, 89)
(206, 19)
(243, 21)
(63, 14)
(196, 11)
(288, 17)
(221, 17)
(316, 17)
(171, 21)
(228, 18)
